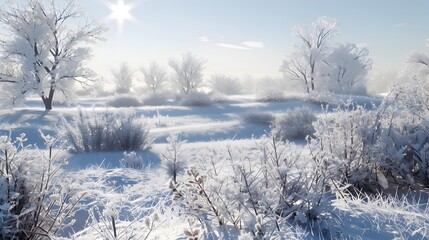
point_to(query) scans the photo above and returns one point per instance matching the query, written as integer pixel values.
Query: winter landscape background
(242, 120)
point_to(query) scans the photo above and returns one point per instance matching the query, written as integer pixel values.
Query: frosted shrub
(406, 160)
(156, 99)
(343, 143)
(197, 99)
(270, 95)
(132, 160)
(121, 101)
(259, 118)
(91, 132)
(224, 84)
(36, 202)
(262, 194)
(295, 124)
(373, 150)
(403, 126)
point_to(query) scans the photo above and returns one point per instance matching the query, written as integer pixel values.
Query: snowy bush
(120, 101)
(132, 160)
(224, 84)
(36, 202)
(91, 132)
(372, 150)
(295, 124)
(406, 153)
(156, 99)
(261, 195)
(345, 142)
(196, 99)
(270, 95)
(259, 118)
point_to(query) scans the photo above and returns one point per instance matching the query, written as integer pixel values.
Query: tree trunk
(312, 83)
(48, 100)
(312, 65)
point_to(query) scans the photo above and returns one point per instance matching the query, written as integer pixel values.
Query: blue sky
(216, 29)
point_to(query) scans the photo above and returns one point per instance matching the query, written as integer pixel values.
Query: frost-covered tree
(346, 69)
(188, 71)
(45, 43)
(154, 76)
(312, 46)
(123, 77)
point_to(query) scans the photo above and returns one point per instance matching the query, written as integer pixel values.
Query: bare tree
(46, 44)
(189, 71)
(123, 77)
(310, 49)
(154, 76)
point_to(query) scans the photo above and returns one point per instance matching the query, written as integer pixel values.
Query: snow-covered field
(211, 137)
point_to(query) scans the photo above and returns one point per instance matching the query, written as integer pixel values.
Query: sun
(121, 12)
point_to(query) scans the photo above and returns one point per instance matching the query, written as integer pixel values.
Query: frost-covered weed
(405, 217)
(160, 120)
(123, 101)
(132, 160)
(105, 224)
(295, 124)
(91, 132)
(36, 202)
(172, 159)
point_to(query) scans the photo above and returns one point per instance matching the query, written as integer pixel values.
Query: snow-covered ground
(210, 134)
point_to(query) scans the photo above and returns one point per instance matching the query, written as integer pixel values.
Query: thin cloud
(246, 45)
(204, 39)
(233, 46)
(253, 44)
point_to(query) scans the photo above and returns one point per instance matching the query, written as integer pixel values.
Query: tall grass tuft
(92, 132)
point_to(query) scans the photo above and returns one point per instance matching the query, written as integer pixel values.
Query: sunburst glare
(121, 12)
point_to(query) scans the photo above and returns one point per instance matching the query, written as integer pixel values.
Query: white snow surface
(209, 132)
